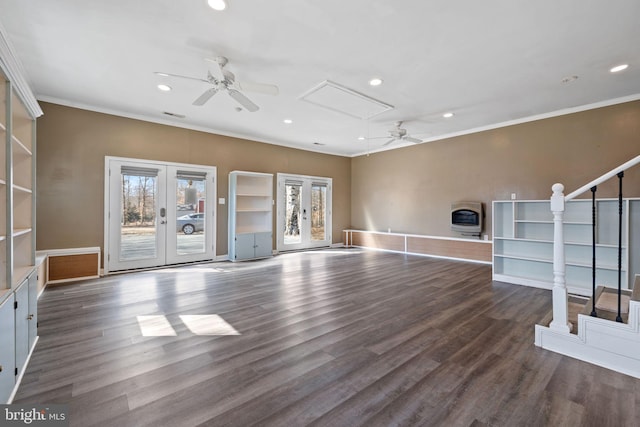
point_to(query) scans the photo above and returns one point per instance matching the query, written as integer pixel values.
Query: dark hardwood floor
(326, 338)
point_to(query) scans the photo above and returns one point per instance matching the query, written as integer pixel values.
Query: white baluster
(560, 320)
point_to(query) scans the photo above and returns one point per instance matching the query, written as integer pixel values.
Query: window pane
(292, 219)
(138, 231)
(190, 215)
(318, 212)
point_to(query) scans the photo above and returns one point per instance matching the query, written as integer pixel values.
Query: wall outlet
(513, 196)
(221, 201)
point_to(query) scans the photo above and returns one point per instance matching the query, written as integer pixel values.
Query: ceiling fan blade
(264, 88)
(163, 74)
(202, 99)
(414, 140)
(243, 100)
(388, 142)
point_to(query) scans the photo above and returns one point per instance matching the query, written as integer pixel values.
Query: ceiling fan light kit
(229, 84)
(399, 134)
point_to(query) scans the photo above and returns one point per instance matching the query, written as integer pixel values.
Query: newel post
(560, 320)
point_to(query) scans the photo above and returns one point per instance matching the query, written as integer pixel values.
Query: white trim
(475, 261)
(188, 126)
(602, 342)
(24, 369)
(551, 114)
(460, 239)
(146, 118)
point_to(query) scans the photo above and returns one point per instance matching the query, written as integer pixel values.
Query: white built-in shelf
(21, 148)
(523, 243)
(17, 232)
(250, 215)
(22, 189)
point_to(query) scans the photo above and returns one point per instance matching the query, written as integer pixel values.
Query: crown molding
(13, 70)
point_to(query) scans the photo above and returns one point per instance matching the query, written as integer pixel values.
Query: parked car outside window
(190, 223)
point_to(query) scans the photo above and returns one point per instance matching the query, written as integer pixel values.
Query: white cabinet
(7, 349)
(32, 315)
(523, 243)
(250, 215)
(22, 325)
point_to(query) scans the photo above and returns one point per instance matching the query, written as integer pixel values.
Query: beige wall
(411, 189)
(73, 143)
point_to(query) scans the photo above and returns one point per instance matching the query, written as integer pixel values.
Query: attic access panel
(341, 99)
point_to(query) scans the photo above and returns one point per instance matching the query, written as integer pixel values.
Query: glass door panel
(318, 212)
(192, 196)
(190, 224)
(138, 228)
(293, 194)
(304, 212)
(135, 215)
(157, 214)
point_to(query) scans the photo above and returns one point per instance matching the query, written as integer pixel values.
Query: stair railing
(593, 251)
(560, 322)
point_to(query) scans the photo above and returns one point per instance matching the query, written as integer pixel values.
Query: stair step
(609, 302)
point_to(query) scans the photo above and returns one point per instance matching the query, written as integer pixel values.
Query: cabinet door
(22, 325)
(33, 308)
(7, 350)
(244, 244)
(263, 245)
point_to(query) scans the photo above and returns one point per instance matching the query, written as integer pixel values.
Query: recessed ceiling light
(217, 4)
(375, 81)
(447, 115)
(361, 138)
(618, 68)
(288, 121)
(161, 74)
(164, 88)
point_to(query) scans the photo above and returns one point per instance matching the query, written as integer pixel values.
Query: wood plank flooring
(344, 337)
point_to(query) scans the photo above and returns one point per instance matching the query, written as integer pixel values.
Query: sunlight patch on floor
(208, 324)
(156, 326)
(198, 324)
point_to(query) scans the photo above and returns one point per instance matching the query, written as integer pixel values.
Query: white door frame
(307, 181)
(166, 249)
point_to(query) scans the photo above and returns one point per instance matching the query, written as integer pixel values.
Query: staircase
(606, 327)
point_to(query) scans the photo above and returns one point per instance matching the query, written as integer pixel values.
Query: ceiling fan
(228, 83)
(397, 133)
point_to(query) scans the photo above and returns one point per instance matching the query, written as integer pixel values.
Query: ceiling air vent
(180, 116)
(335, 97)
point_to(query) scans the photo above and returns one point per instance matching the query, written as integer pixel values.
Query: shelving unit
(250, 215)
(18, 278)
(523, 243)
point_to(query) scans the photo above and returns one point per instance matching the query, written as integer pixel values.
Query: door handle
(163, 222)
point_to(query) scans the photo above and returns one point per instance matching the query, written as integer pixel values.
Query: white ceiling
(490, 63)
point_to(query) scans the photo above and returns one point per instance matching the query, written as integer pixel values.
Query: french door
(157, 213)
(304, 212)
